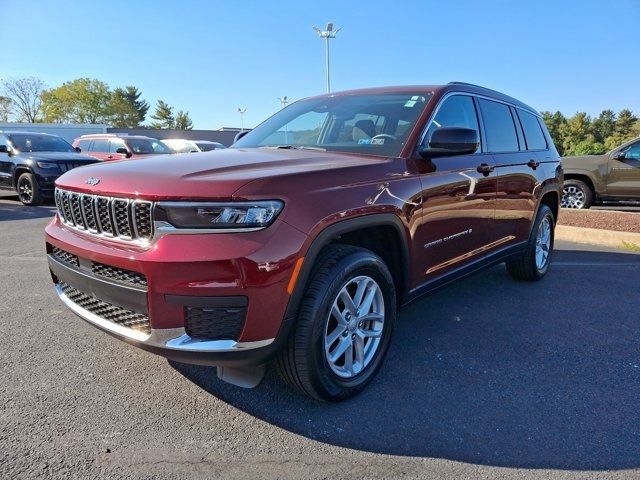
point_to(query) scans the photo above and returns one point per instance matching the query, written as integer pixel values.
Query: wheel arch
(583, 177)
(19, 170)
(365, 231)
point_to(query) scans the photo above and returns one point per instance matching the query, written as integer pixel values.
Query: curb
(596, 236)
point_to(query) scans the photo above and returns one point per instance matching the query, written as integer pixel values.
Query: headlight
(47, 165)
(209, 215)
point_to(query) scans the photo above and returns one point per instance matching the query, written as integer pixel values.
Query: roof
(442, 89)
(20, 132)
(115, 135)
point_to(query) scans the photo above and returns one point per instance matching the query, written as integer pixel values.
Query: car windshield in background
(206, 147)
(39, 143)
(146, 146)
(375, 124)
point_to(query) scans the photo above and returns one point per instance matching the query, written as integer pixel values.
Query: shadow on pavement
(494, 372)
(12, 209)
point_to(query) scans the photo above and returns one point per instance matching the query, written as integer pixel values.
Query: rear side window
(532, 131)
(498, 126)
(84, 145)
(100, 145)
(455, 111)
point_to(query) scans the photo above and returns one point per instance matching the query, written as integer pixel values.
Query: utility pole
(283, 101)
(327, 34)
(241, 112)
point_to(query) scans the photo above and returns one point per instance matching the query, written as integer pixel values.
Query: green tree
(183, 122)
(25, 95)
(604, 126)
(576, 131)
(625, 123)
(555, 124)
(141, 107)
(122, 113)
(163, 116)
(83, 100)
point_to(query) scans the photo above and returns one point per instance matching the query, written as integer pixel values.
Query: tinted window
(147, 146)
(532, 131)
(116, 144)
(455, 111)
(84, 145)
(100, 145)
(34, 142)
(498, 127)
(633, 151)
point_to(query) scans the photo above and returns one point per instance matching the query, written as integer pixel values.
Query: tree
(83, 100)
(183, 122)
(5, 108)
(603, 126)
(555, 124)
(141, 107)
(625, 123)
(575, 131)
(163, 116)
(25, 95)
(122, 112)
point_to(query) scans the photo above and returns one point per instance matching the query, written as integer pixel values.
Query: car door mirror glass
(123, 151)
(450, 141)
(4, 149)
(78, 149)
(619, 156)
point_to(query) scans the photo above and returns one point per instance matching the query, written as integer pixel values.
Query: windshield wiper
(296, 147)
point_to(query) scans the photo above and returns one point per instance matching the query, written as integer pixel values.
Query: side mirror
(239, 135)
(124, 151)
(78, 149)
(450, 141)
(619, 156)
(4, 149)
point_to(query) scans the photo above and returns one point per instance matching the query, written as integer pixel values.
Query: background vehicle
(31, 162)
(612, 177)
(109, 146)
(303, 241)
(180, 145)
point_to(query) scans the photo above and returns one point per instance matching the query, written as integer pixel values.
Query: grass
(631, 246)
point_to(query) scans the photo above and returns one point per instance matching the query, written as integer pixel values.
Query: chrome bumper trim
(165, 338)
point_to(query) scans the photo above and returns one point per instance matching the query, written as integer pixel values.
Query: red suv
(109, 146)
(301, 241)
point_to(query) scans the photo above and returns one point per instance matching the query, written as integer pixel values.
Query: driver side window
(633, 151)
(455, 111)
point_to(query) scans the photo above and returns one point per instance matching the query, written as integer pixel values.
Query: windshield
(180, 146)
(206, 147)
(25, 142)
(374, 124)
(146, 145)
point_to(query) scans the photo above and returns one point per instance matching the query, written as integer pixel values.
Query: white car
(179, 145)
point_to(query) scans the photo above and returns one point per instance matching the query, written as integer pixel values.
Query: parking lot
(484, 377)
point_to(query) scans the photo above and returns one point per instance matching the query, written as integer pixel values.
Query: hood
(213, 175)
(56, 156)
(584, 161)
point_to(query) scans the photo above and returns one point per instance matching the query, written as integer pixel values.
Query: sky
(212, 57)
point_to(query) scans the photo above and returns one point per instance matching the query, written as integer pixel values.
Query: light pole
(241, 112)
(327, 34)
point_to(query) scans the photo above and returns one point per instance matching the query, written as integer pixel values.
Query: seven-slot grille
(114, 217)
(108, 311)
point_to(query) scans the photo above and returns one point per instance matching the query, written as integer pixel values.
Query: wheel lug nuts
(353, 337)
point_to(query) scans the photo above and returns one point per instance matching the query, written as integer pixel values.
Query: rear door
(623, 180)
(5, 166)
(454, 221)
(515, 202)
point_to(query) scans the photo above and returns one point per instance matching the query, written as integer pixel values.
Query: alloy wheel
(543, 243)
(354, 327)
(573, 197)
(25, 190)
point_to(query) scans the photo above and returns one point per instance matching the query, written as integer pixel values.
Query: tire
(28, 190)
(576, 194)
(304, 363)
(528, 266)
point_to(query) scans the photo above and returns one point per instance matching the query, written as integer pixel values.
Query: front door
(454, 221)
(623, 180)
(5, 166)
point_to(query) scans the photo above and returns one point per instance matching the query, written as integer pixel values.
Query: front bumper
(183, 271)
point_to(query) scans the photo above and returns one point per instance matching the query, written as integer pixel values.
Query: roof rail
(469, 84)
(88, 135)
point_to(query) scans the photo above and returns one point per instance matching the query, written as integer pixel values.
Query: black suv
(31, 162)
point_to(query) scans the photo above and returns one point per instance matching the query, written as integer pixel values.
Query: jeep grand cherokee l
(110, 146)
(612, 177)
(30, 163)
(300, 243)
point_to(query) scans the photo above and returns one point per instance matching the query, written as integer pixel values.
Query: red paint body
(431, 199)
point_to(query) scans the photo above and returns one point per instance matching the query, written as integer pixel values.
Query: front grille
(66, 166)
(123, 218)
(65, 257)
(107, 311)
(220, 323)
(120, 275)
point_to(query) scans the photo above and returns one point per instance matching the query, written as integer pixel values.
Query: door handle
(485, 169)
(110, 157)
(533, 163)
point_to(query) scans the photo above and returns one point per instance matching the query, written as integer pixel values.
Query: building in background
(67, 131)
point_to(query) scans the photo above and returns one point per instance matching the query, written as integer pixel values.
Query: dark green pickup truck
(612, 177)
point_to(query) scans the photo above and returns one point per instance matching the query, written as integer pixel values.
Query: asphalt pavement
(487, 378)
